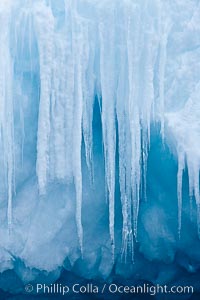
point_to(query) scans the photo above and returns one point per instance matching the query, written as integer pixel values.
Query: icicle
(193, 173)
(9, 146)
(136, 172)
(145, 145)
(138, 50)
(181, 165)
(124, 152)
(197, 194)
(44, 23)
(162, 64)
(80, 51)
(107, 74)
(88, 101)
(133, 48)
(77, 138)
(69, 88)
(58, 163)
(23, 56)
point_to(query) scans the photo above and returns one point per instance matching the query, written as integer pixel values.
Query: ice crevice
(105, 51)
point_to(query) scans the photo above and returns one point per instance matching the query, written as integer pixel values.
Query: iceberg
(100, 140)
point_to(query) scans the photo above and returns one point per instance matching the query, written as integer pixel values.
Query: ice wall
(139, 60)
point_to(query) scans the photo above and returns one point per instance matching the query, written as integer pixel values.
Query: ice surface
(99, 135)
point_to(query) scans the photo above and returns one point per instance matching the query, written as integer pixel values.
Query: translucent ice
(99, 135)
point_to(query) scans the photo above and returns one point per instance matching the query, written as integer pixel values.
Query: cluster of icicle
(186, 128)
(110, 51)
